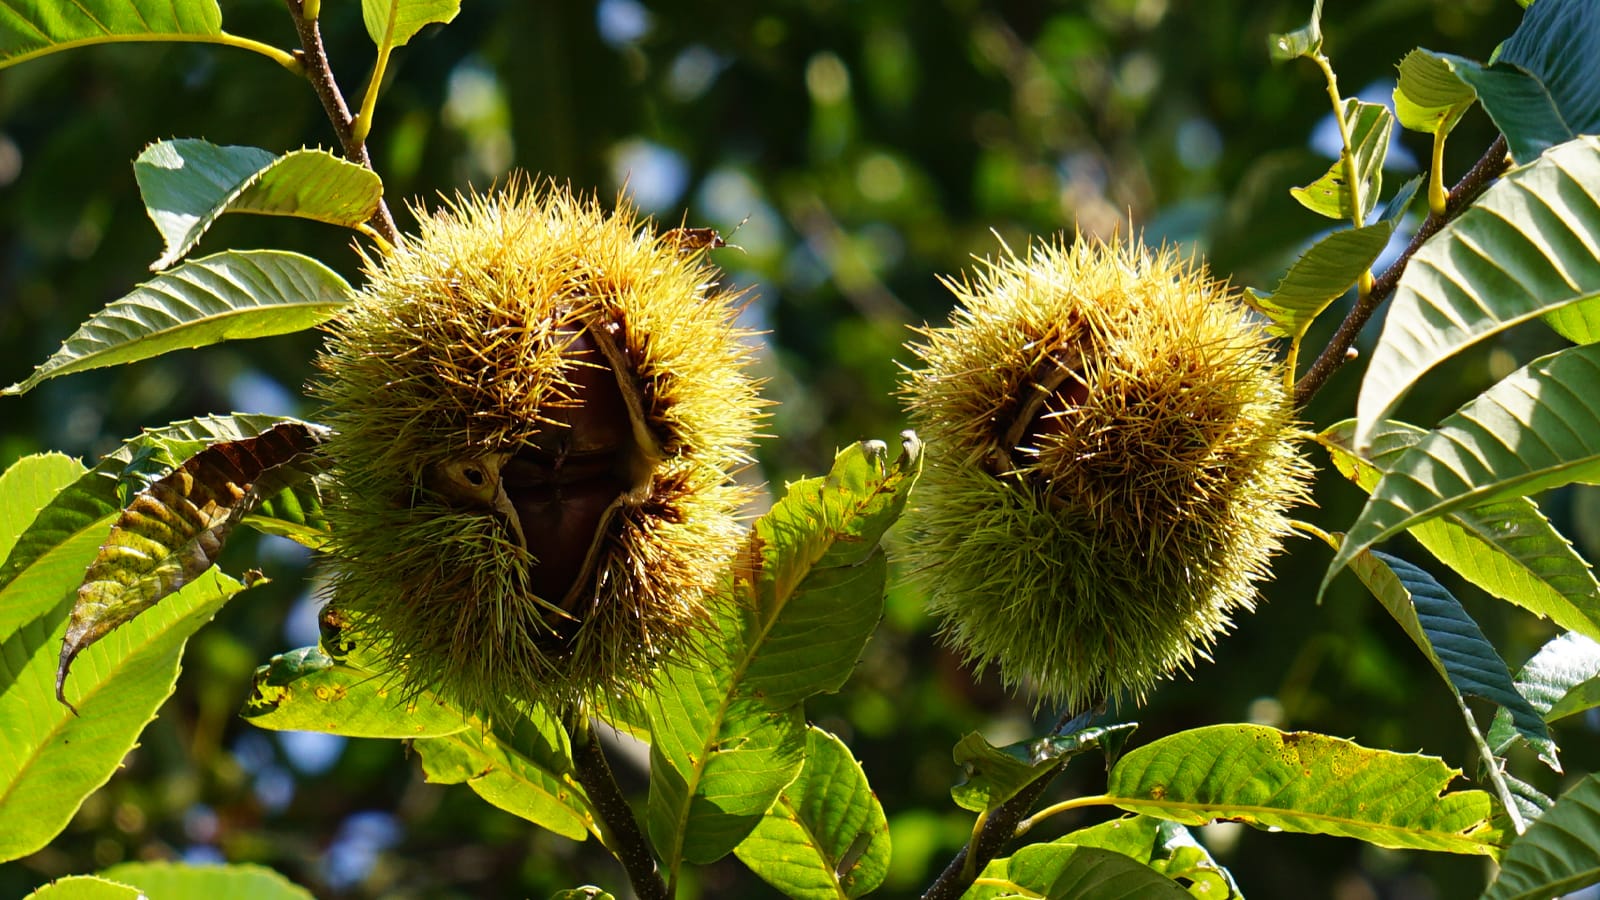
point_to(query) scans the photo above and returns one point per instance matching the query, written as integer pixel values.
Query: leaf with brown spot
(174, 529)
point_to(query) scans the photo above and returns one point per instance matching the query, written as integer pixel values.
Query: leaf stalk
(1489, 167)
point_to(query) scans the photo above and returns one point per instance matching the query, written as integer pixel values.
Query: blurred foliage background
(856, 152)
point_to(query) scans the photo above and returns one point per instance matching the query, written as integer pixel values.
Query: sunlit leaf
(996, 774)
(295, 512)
(1531, 802)
(174, 530)
(587, 892)
(231, 295)
(1562, 679)
(29, 28)
(728, 731)
(1320, 276)
(523, 767)
(1305, 782)
(1528, 246)
(1068, 870)
(1369, 126)
(1537, 429)
(187, 183)
(1558, 853)
(810, 581)
(826, 837)
(1429, 97)
(718, 762)
(305, 690)
(1303, 41)
(86, 887)
(1164, 846)
(28, 486)
(177, 881)
(51, 759)
(391, 23)
(62, 540)
(1506, 547)
(1452, 642)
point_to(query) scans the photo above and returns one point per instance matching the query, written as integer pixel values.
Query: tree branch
(1337, 353)
(1000, 827)
(315, 59)
(627, 841)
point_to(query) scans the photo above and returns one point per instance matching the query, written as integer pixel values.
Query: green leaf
(50, 759)
(728, 731)
(996, 774)
(1303, 41)
(27, 486)
(1395, 209)
(62, 540)
(718, 762)
(230, 295)
(1531, 804)
(296, 513)
(1525, 248)
(1307, 783)
(1507, 547)
(175, 881)
(587, 892)
(1452, 641)
(1320, 276)
(176, 528)
(826, 837)
(1562, 679)
(187, 183)
(1429, 97)
(1558, 853)
(1369, 125)
(1550, 46)
(86, 887)
(1164, 846)
(29, 28)
(810, 582)
(1537, 429)
(305, 690)
(392, 23)
(1066, 870)
(1519, 104)
(523, 767)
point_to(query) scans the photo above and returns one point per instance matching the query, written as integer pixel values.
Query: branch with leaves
(735, 767)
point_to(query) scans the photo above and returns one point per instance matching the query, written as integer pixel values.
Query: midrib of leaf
(1223, 810)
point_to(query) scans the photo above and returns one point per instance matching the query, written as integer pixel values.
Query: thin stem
(627, 842)
(986, 844)
(1315, 532)
(315, 59)
(1027, 824)
(1437, 197)
(1347, 155)
(1492, 768)
(1337, 353)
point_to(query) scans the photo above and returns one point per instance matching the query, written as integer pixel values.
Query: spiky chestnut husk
(1111, 458)
(539, 409)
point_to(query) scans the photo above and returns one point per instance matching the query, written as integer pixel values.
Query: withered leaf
(174, 529)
